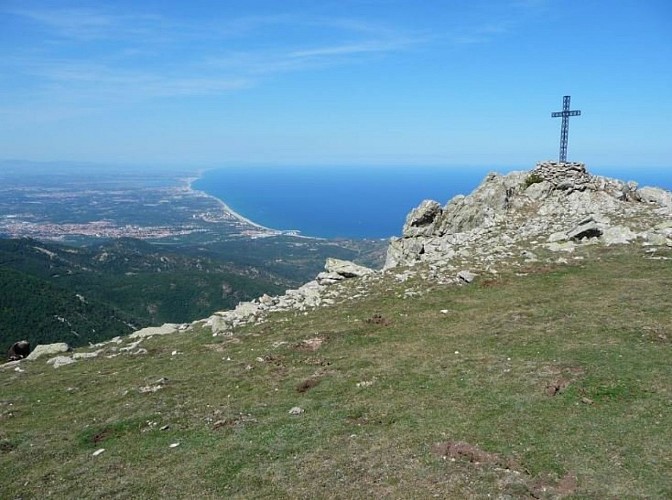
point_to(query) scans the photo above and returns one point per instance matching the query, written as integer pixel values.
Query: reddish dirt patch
(545, 487)
(557, 387)
(378, 319)
(466, 452)
(310, 345)
(307, 385)
(491, 283)
(564, 377)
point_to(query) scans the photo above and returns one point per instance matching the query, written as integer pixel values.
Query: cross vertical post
(564, 130)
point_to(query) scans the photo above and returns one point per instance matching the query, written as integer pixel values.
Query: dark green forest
(52, 293)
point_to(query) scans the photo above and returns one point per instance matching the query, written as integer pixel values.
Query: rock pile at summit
(556, 206)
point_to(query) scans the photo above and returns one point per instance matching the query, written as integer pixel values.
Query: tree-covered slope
(143, 283)
(35, 310)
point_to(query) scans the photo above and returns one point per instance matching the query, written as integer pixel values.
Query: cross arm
(565, 113)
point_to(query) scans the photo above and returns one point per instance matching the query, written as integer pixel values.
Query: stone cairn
(563, 175)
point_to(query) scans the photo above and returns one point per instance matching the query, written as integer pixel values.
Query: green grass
(479, 375)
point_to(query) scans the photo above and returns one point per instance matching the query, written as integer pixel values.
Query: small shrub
(533, 178)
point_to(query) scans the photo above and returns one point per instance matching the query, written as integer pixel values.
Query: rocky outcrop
(48, 349)
(555, 206)
(308, 296)
(150, 331)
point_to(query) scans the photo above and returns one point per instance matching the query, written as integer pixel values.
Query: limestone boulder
(326, 279)
(346, 268)
(150, 331)
(655, 195)
(48, 349)
(421, 221)
(618, 235)
(592, 226)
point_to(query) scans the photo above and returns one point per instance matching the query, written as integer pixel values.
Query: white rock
(98, 452)
(296, 411)
(466, 276)
(346, 268)
(59, 361)
(86, 355)
(165, 329)
(46, 349)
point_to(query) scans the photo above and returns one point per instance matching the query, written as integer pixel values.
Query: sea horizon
(359, 202)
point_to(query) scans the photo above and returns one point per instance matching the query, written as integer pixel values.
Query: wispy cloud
(365, 47)
(125, 58)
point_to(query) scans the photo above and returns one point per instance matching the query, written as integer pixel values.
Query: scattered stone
(174, 445)
(365, 383)
(86, 355)
(48, 349)
(296, 411)
(157, 386)
(59, 361)
(98, 452)
(466, 276)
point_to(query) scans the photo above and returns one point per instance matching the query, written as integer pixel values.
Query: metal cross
(564, 132)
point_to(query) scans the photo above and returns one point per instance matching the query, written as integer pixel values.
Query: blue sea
(358, 202)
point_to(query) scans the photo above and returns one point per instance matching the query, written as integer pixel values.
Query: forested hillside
(51, 292)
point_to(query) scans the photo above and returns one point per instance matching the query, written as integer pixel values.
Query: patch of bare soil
(310, 345)
(378, 319)
(547, 487)
(557, 387)
(526, 486)
(563, 379)
(307, 384)
(459, 450)
(316, 361)
(235, 421)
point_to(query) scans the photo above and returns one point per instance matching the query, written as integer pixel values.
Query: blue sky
(464, 82)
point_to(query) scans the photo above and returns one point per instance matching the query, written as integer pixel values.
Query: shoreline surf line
(268, 230)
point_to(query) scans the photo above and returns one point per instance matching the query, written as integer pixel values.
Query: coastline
(241, 218)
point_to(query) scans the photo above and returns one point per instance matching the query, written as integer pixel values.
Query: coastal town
(78, 209)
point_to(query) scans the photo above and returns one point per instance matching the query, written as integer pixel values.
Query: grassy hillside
(544, 383)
